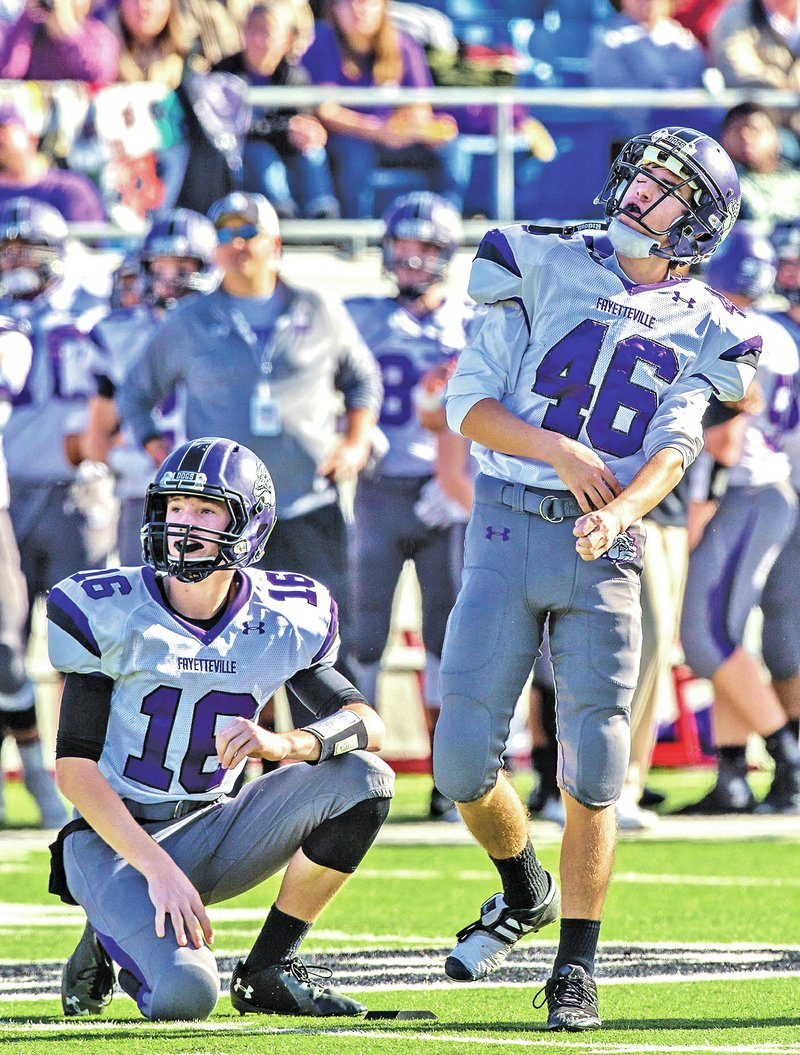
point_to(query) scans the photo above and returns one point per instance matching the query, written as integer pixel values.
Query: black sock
(278, 941)
(732, 763)
(525, 882)
(794, 725)
(782, 746)
(578, 943)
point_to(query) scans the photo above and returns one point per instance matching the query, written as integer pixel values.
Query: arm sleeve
(83, 720)
(678, 422)
(324, 690)
(16, 48)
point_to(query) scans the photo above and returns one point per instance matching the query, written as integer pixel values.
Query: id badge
(265, 419)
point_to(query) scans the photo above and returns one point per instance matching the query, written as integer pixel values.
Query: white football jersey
(762, 459)
(406, 347)
(573, 346)
(784, 408)
(175, 684)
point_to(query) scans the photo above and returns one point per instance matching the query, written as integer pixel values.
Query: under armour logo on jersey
(245, 990)
(623, 550)
(257, 628)
(689, 301)
(504, 533)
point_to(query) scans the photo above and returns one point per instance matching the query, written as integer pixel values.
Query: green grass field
(700, 950)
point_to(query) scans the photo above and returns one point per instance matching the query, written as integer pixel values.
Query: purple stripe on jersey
(333, 629)
(122, 958)
(495, 247)
(719, 598)
(521, 302)
(746, 352)
(235, 606)
(668, 283)
(64, 613)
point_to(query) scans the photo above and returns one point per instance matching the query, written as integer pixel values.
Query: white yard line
(596, 1047)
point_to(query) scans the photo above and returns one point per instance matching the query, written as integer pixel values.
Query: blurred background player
(418, 328)
(780, 638)
(175, 260)
(64, 517)
(17, 701)
(728, 566)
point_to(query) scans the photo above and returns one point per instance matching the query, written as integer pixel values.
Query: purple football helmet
(746, 264)
(702, 166)
(186, 233)
(425, 217)
(218, 469)
(43, 231)
(786, 242)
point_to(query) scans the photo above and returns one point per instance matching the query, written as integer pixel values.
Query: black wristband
(337, 734)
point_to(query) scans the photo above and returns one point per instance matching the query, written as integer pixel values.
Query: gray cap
(250, 208)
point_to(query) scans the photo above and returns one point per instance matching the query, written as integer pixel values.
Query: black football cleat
(571, 996)
(735, 796)
(289, 989)
(87, 981)
(442, 808)
(784, 793)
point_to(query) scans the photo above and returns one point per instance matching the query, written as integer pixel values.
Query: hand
(175, 896)
(306, 133)
(585, 474)
(596, 532)
(157, 449)
(240, 738)
(345, 461)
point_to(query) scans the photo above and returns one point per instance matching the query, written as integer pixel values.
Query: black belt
(550, 506)
(166, 811)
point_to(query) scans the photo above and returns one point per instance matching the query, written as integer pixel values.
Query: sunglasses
(225, 235)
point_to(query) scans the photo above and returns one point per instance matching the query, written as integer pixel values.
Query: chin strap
(569, 229)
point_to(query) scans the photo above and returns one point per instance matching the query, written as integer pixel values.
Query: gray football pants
(518, 569)
(224, 850)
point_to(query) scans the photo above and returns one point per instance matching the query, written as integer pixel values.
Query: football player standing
(409, 334)
(167, 667)
(584, 393)
(176, 259)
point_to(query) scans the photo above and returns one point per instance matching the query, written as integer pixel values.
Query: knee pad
(465, 760)
(601, 760)
(341, 842)
(188, 990)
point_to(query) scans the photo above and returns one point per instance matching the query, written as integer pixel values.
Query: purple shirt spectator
(323, 62)
(89, 54)
(73, 194)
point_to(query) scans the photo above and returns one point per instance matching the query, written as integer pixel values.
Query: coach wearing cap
(261, 362)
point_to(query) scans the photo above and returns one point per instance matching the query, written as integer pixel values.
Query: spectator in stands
(698, 16)
(643, 47)
(56, 40)
(218, 25)
(262, 362)
(155, 40)
(358, 45)
(756, 44)
(284, 154)
(770, 185)
(24, 170)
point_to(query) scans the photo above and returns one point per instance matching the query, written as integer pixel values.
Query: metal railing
(573, 102)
